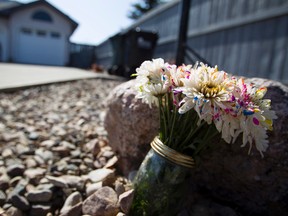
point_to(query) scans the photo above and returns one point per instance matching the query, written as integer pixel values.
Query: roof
(7, 8)
(4, 4)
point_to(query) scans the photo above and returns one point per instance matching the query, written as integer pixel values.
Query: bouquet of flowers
(197, 102)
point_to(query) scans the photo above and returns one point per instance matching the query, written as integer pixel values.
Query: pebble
(37, 210)
(2, 198)
(12, 211)
(92, 188)
(39, 196)
(99, 174)
(30, 163)
(125, 200)
(74, 181)
(20, 202)
(15, 170)
(57, 181)
(75, 210)
(6, 153)
(4, 182)
(102, 202)
(111, 162)
(46, 155)
(35, 175)
(71, 201)
(47, 143)
(119, 188)
(53, 138)
(33, 136)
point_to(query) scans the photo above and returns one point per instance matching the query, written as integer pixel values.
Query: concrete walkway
(14, 76)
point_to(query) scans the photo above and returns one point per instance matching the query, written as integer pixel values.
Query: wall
(244, 37)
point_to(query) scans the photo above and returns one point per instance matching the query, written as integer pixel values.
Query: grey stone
(108, 154)
(30, 163)
(57, 181)
(2, 198)
(62, 151)
(125, 200)
(12, 211)
(13, 161)
(7, 152)
(35, 175)
(15, 170)
(102, 203)
(19, 187)
(92, 188)
(44, 154)
(14, 181)
(48, 143)
(39, 196)
(68, 145)
(74, 181)
(111, 162)
(40, 161)
(119, 188)
(23, 149)
(4, 182)
(92, 146)
(72, 200)
(20, 202)
(33, 136)
(100, 174)
(75, 210)
(37, 210)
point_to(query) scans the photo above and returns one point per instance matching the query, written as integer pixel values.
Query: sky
(97, 19)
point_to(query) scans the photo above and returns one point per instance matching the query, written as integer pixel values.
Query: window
(42, 16)
(55, 35)
(41, 33)
(27, 31)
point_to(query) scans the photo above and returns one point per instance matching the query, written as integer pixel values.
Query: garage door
(41, 47)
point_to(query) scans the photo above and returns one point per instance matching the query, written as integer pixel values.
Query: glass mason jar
(159, 187)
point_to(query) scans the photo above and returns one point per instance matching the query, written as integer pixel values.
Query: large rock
(131, 126)
(226, 173)
(257, 186)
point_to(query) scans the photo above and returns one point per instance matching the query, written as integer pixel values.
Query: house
(34, 33)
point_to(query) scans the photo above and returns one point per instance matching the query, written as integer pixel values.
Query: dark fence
(82, 56)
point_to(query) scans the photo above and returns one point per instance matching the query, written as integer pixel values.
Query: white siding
(34, 49)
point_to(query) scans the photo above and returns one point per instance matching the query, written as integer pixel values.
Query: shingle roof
(9, 7)
(5, 4)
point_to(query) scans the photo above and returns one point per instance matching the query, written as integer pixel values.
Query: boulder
(226, 173)
(131, 126)
(255, 185)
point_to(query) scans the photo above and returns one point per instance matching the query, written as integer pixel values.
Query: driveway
(13, 76)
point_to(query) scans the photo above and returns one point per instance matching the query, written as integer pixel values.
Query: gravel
(52, 142)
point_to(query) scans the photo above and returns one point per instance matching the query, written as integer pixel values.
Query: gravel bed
(53, 146)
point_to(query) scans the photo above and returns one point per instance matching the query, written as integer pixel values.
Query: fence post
(182, 36)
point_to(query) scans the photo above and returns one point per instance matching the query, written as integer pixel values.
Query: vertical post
(183, 29)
